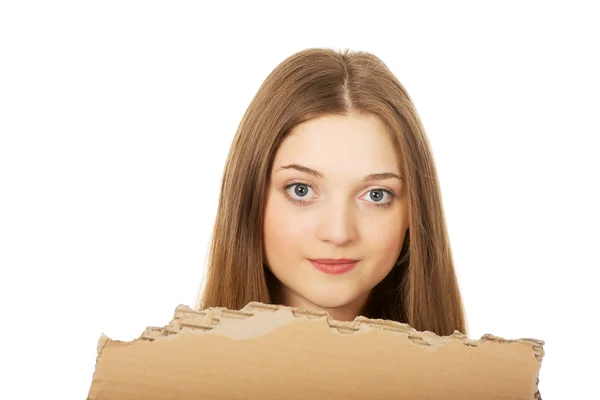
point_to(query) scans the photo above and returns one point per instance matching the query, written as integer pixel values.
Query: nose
(337, 224)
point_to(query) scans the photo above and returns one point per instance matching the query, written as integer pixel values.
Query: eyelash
(303, 203)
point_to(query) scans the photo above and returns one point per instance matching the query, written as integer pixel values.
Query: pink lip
(334, 267)
(334, 260)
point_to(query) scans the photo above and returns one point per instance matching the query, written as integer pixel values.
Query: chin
(331, 299)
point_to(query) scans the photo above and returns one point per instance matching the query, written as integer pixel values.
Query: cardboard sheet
(276, 352)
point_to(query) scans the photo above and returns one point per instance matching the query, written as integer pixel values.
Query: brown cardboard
(276, 352)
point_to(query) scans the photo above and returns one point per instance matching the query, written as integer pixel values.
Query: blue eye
(301, 190)
(379, 194)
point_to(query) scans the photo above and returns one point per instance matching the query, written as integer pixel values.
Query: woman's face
(322, 204)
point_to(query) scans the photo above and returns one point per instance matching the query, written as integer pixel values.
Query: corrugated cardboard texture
(276, 352)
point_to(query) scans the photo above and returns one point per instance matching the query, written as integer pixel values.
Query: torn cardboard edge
(257, 320)
(220, 317)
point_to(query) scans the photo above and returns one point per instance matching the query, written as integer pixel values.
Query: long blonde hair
(422, 289)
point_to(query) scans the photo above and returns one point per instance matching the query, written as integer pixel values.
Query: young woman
(330, 200)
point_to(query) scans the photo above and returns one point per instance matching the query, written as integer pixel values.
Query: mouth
(334, 267)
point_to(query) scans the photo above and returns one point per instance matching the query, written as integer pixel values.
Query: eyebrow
(310, 171)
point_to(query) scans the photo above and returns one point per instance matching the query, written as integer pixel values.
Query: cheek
(385, 241)
(284, 232)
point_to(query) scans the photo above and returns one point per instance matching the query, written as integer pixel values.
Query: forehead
(355, 142)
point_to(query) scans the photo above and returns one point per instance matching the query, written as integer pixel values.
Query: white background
(116, 119)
